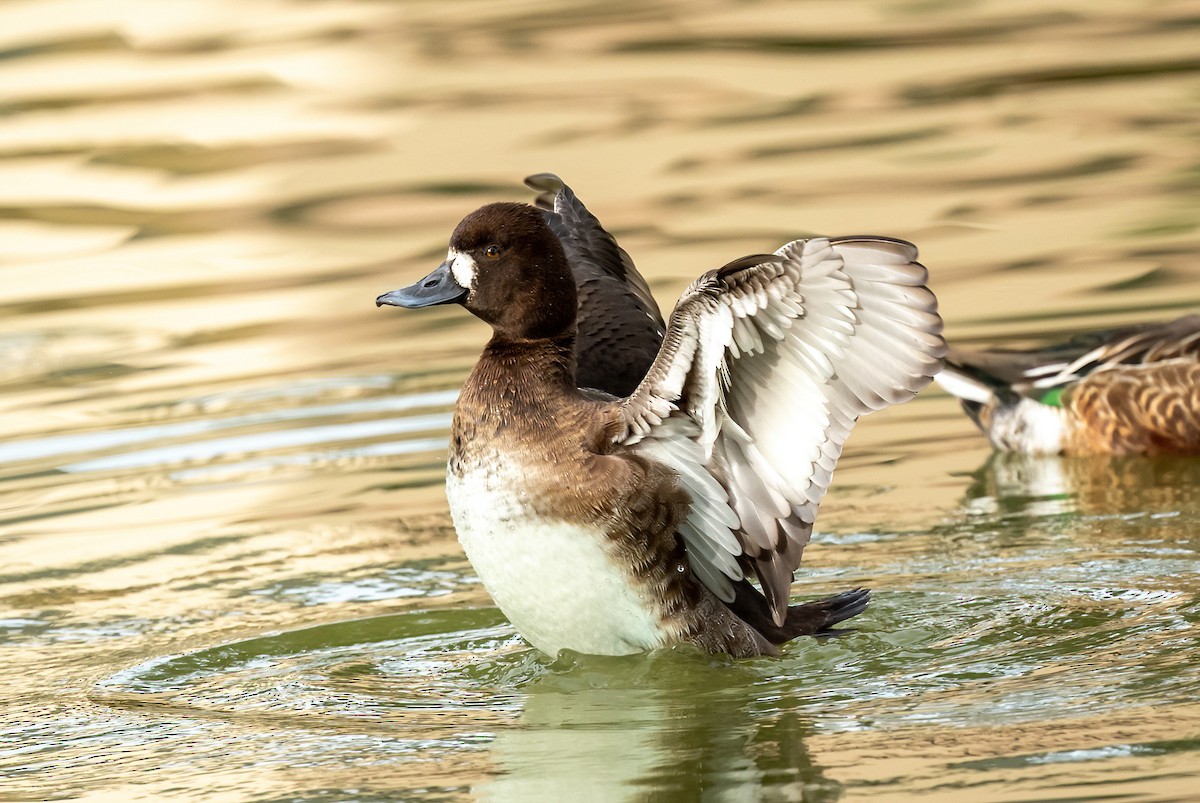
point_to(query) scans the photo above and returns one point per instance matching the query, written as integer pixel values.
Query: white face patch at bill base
(462, 267)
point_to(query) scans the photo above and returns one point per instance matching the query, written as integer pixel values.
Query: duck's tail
(815, 618)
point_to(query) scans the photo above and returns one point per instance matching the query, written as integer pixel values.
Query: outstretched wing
(619, 327)
(765, 367)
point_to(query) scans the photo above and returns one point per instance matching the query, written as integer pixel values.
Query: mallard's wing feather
(977, 375)
(1146, 344)
(765, 367)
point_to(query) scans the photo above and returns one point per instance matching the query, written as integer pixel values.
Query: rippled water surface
(226, 567)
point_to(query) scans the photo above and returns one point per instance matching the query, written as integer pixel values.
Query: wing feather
(765, 366)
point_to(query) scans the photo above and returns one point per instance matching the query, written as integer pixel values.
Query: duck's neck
(545, 363)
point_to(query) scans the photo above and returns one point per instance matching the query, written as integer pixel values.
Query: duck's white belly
(554, 580)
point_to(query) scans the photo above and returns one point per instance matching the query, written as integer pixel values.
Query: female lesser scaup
(1133, 390)
(614, 525)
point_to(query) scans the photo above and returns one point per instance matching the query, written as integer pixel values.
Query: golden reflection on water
(209, 434)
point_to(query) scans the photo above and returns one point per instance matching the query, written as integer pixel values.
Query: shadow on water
(673, 724)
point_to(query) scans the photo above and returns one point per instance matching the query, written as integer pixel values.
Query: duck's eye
(492, 251)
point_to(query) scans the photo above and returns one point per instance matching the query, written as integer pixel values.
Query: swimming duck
(1132, 390)
(612, 524)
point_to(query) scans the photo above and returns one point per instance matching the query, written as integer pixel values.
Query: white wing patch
(711, 522)
(765, 367)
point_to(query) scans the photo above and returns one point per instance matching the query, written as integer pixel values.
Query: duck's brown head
(508, 268)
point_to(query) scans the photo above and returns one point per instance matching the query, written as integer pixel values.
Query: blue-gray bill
(438, 287)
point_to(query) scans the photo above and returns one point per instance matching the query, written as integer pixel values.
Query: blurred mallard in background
(1132, 390)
